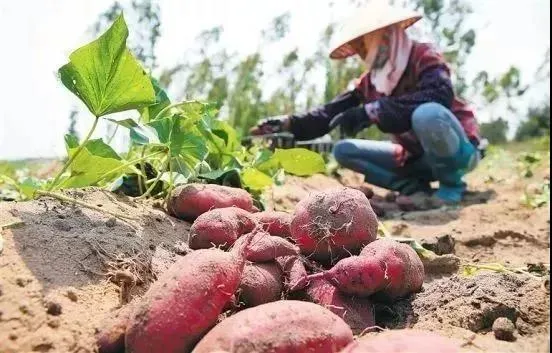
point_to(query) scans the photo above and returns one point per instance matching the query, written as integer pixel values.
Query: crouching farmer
(406, 91)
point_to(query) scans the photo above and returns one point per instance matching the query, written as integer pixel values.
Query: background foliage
(236, 84)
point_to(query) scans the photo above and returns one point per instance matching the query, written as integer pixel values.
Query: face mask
(383, 52)
(371, 45)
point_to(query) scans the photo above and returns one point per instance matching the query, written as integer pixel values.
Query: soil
(65, 269)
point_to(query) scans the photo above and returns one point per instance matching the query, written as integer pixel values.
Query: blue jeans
(448, 156)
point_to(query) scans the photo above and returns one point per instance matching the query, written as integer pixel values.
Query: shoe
(365, 189)
(451, 194)
(420, 201)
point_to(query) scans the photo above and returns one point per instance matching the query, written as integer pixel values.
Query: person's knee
(434, 126)
(342, 150)
(425, 115)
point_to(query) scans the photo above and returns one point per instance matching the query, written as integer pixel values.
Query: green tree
(495, 131)
(72, 129)
(278, 28)
(245, 100)
(447, 26)
(503, 88)
(537, 124)
(237, 85)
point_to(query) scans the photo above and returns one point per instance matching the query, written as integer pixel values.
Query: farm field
(65, 268)
(197, 237)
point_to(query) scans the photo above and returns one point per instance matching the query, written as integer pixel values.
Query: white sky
(37, 37)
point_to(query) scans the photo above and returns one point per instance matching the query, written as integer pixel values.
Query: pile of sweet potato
(301, 282)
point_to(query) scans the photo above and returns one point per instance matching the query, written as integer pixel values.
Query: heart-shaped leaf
(94, 162)
(300, 161)
(105, 75)
(254, 179)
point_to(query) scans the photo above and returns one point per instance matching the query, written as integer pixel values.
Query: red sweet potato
(189, 201)
(185, 302)
(357, 312)
(265, 247)
(261, 283)
(275, 222)
(220, 227)
(404, 270)
(385, 267)
(111, 339)
(355, 275)
(294, 272)
(285, 326)
(403, 341)
(333, 223)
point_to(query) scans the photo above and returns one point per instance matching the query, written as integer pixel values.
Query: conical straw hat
(377, 15)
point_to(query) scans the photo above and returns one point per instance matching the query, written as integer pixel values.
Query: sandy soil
(64, 268)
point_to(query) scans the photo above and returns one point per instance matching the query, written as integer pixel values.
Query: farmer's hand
(352, 121)
(271, 125)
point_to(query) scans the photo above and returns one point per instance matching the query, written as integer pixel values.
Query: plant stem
(129, 163)
(11, 225)
(77, 152)
(84, 204)
(171, 183)
(109, 140)
(383, 230)
(170, 106)
(490, 267)
(152, 186)
(143, 170)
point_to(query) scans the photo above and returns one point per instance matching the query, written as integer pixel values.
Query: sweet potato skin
(285, 326)
(403, 341)
(355, 275)
(111, 339)
(275, 223)
(386, 268)
(261, 283)
(265, 247)
(189, 201)
(184, 303)
(403, 267)
(220, 227)
(295, 273)
(333, 223)
(357, 312)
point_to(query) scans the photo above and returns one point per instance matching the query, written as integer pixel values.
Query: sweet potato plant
(171, 143)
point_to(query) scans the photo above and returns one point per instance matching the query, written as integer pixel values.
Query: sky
(37, 37)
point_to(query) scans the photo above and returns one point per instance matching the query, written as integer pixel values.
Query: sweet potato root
(275, 222)
(189, 201)
(220, 227)
(261, 283)
(385, 267)
(330, 224)
(355, 275)
(404, 270)
(265, 247)
(403, 341)
(285, 326)
(357, 312)
(185, 302)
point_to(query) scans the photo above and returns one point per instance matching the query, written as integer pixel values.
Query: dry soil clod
(53, 308)
(504, 329)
